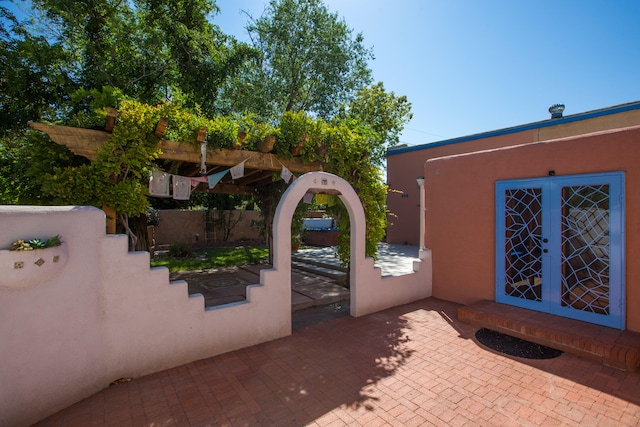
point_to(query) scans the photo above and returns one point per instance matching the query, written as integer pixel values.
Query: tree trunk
(141, 231)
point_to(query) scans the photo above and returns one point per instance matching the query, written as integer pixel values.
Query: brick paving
(412, 365)
(611, 347)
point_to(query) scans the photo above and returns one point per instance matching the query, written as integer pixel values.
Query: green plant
(53, 241)
(180, 250)
(29, 245)
(294, 131)
(223, 132)
(153, 217)
(258, 133)
(208, 258)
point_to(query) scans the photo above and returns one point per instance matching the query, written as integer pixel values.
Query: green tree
(383, 112)
(150, 50)
(311, 61)
(34, 75)
(196, 57)
(309, 86)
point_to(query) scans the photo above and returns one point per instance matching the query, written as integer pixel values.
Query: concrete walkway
(393, 260)
(229, 285)
(414, 365)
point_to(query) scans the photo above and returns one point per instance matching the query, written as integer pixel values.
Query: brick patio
(410, 365)
(611, 347)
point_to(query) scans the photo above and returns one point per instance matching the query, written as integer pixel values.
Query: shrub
(180, 250)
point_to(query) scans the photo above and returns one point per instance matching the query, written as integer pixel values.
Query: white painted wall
(370, 292)
(107, 315)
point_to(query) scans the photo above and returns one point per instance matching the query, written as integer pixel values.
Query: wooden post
(111, 119)
(111, 219)
(161, 127)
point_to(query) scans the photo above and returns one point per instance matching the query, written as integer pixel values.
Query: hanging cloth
(322, 199)
(238, 170)
(285, 174)
(159, 184)
(181, 187)
(203, 157)
(216, 177)
(197, 180)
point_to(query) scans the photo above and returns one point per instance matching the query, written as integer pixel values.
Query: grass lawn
(206, 258)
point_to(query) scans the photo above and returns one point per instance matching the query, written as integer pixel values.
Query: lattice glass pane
(585, 248)
(523, 230)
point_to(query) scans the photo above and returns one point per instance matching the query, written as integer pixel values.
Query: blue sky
(470, 66)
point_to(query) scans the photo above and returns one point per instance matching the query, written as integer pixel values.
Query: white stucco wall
(107, 315)
(370, 292)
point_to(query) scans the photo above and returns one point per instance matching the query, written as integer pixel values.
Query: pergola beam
(86, 142)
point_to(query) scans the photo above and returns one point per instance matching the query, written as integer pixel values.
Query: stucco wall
(405, 167)
(460, 207)
(183, 226)
(107, 315)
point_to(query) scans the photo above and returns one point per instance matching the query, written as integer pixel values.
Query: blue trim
(551, 269)
(506, 131)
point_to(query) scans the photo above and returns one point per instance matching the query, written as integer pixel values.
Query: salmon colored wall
(596, 124)
(460, 203)
(183, 225)
(404, 168)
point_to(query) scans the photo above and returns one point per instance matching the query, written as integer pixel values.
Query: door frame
(551, 225)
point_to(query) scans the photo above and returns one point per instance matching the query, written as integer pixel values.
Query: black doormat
(515, 346)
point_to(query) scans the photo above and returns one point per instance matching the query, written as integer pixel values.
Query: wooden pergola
(258, 166)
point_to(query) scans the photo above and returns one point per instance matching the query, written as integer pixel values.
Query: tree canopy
(311, 61)
(305, 79)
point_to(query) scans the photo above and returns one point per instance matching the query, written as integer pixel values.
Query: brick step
(611, 347)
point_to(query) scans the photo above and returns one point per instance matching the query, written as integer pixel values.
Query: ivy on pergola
(186, 159)
(259, 166)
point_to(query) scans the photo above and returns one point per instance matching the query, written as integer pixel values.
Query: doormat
(515, 346)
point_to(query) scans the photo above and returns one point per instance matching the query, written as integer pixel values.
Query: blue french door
(560, 246)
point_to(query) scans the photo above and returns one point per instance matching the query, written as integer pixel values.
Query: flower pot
(237, 144)
(266, 145)
(297, 149)
(321, 151)
(21, 269)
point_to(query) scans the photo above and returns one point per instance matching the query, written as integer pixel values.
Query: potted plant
(294, 132)
(296, 241)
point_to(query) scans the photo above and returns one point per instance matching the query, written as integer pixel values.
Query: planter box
(20, 269)
(320, 237)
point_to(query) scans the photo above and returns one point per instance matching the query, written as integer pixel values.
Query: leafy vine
(117, 178)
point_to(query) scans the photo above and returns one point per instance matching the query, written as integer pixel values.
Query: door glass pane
(585, 248)
(523, 231)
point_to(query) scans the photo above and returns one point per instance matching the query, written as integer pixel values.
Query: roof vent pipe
(556, 111)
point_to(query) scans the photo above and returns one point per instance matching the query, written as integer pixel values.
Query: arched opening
(318, 182)
(369, 292)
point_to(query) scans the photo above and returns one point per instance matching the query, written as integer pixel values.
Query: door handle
(545, 250)
(545, 240)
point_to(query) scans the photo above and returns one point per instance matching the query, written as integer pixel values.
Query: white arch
(368, 292)
(319, 182)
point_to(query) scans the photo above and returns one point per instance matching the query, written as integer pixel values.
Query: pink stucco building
(541, 216)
